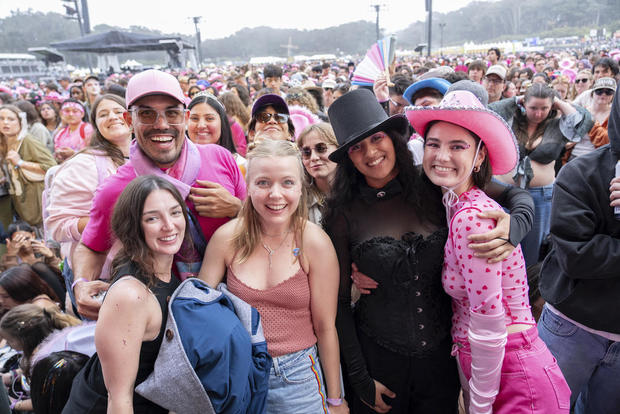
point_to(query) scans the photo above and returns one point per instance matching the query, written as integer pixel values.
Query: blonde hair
(326, 134)
(247, 233)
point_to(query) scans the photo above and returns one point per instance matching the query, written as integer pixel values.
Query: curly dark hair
(420, 193)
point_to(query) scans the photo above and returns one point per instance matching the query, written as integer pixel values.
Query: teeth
(169, 238)
(278, 207)
(446, 169)
(375, 162)
(161, 139)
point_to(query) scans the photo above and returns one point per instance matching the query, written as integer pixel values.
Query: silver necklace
(271, 251)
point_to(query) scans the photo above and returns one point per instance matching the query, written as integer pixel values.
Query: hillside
(478, 22)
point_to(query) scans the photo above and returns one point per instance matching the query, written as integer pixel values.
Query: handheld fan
(377, 61)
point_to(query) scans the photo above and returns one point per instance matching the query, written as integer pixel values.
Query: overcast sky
(221, 18)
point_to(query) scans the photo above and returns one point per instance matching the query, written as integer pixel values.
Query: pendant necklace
(271, 251)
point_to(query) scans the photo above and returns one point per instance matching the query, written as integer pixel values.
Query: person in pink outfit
(76, 135)
(504, 366)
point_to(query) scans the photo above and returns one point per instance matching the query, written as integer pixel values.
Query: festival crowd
(281, 239)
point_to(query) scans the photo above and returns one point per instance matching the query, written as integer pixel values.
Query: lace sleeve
(350, 350)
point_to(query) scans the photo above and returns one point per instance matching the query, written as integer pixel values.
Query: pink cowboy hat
(462, 108)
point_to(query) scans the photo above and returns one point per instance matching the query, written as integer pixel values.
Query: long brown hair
(127, 226)
(4, 145)
(247, 233)
(98, 141)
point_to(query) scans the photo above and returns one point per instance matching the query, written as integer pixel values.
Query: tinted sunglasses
(264, 117)
(584, 80)
(607, 92)
(320, 148)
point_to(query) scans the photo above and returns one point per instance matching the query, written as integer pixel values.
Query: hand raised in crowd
(213, 200)
(380, 88)
(380, 405)
(39, 246)
(13, 246)
(88, 306)
(493, 245)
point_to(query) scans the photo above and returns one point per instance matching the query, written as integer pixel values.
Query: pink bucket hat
(153, 82)
(462, 108)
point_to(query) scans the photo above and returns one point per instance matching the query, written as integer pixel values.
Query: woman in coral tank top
(272, 257)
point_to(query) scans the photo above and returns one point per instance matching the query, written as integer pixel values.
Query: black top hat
(357, 115)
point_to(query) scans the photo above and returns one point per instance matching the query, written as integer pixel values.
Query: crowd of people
(442, 241)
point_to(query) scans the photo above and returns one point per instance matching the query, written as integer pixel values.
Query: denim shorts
(296, 384)
(531, 380)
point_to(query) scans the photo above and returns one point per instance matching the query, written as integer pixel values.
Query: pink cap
(153, 82)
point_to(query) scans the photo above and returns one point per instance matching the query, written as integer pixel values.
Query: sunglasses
(148, 116)
(607, 92)
(264, 117)
(584, 80)
(320, 148)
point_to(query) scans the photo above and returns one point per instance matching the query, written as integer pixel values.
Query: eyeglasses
(320, 148)
(584, 80)
(607, 92)
(493, 81)
(149, 116)
(264, 117)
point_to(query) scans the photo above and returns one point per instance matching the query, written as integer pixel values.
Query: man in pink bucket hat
(207, 177)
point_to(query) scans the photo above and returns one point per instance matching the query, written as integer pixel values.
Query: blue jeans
(589, 362)
(542, 221)
(296, 384)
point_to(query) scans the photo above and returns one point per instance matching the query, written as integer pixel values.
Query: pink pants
(531, 380)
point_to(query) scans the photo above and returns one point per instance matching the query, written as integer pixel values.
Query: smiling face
(316, 163)
(449, 152)
(274, 188)
(537, 109)
(161, 142)
(9, 123)
(204, 125)
(111, 123)
(375, 159)
(271, 129)
(163, 223)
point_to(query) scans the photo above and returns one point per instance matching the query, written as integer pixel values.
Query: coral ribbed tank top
(284, 311)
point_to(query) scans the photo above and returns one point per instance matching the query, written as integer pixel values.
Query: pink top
(76, 140)
(71, 196)
(217, 165)
(486, 298)
(284, 310)
(241, 143)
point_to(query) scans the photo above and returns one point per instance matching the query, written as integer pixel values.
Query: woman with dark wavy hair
(149, 219)
(387, 221)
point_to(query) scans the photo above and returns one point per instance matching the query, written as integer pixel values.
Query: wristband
(75, 282)
(334, 401)
(19, 164)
